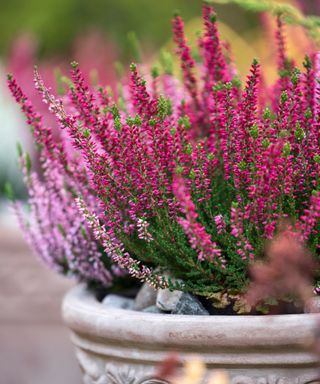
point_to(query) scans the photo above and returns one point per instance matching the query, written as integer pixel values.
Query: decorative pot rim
(83, 314)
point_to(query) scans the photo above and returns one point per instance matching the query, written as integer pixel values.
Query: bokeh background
(34, 346)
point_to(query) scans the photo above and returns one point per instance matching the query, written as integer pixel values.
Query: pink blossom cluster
(198, 237)
(203, 161)
(54, 229)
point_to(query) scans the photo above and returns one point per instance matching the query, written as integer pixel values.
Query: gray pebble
(117, 301)
(152, 309)
(167, 300)
(189, 305)
(145, 298)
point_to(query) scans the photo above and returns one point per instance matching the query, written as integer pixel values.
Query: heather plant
(52, 225)
(182, 182)
(54, 229)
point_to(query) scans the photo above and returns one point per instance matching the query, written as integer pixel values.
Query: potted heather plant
(183, 185)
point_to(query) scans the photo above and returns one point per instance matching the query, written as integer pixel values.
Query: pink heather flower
(225, 163)
(220, 224)
(198, 237)
(215, 62)
(55, 230)
(187, 62)
(143, 233)
(235, 232)
(310, 218)
(115, 250)
(237, 222)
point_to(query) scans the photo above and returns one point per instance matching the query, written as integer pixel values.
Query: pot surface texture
(117, 346)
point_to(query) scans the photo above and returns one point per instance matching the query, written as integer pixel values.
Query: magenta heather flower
(220, 224)
(198, 237)
(188, 176)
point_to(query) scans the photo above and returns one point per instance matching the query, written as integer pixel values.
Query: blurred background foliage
(58, 22)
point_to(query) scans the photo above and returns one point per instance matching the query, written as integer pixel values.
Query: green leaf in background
(291, 14)
(8, 191)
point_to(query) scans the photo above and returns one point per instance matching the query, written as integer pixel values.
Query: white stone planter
(117, 346)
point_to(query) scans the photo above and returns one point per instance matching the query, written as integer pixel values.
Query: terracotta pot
(117, 346)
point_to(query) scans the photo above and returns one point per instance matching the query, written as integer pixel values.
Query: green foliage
(8, 191)
(170, 247)
(56, 23)
(134, 46)
(291, 14)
